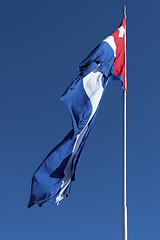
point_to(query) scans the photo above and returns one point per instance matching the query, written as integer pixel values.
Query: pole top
(124, 10)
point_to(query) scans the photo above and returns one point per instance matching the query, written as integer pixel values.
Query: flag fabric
(52, 180)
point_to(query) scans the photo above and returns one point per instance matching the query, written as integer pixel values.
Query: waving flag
(52, 180)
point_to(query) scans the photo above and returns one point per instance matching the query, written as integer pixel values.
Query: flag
(52, 180)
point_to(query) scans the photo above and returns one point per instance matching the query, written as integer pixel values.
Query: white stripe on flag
(111, 42)
(93, 87)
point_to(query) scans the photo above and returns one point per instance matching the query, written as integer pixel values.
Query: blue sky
(42, 44)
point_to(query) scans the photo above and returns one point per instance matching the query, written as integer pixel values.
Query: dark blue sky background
(41, 45)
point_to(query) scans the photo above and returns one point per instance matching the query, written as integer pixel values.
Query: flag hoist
(124, 205)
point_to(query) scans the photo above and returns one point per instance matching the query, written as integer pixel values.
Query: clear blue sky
(41, 46)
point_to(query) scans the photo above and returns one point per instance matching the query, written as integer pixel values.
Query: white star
(121, 31)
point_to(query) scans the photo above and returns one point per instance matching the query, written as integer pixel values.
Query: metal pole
(124, 206)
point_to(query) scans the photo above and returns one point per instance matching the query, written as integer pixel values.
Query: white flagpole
(124, 206)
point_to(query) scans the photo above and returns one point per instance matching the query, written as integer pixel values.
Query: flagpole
(124, 206)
